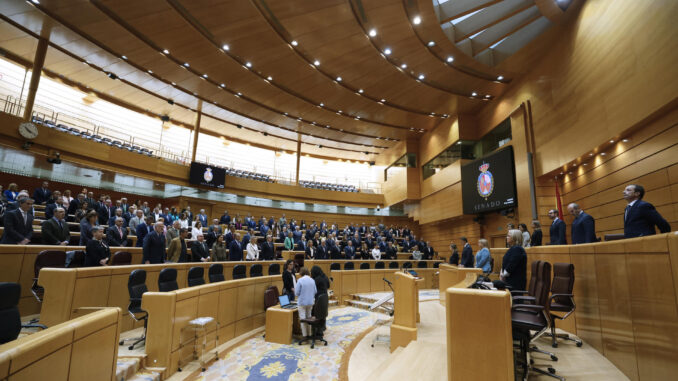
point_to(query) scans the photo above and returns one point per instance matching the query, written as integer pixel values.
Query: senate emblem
(485, 181)
(208, 176)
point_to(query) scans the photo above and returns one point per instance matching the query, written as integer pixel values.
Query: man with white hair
(136, 220)
(55, 230)
(117, 234)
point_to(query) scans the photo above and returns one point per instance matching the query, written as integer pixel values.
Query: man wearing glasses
(19, 223)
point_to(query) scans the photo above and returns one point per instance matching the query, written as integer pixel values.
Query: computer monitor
(284, 300)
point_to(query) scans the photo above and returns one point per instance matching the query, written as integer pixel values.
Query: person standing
(219, 250)
(42, 195)
(86, 225)
(253, 249)
(305, 290)
(535, 240)
(178, 251)
(55, 230)
(557, 230)
(640, 217)
(483, 256)
(96, 251)
(514, 263)
(235, 249)
(117, 234)
(289, 280)
(454, 257)
(583, 226)
(154, 245)
(19, 223)
(199, 250)
(466, 254)
(526, 235)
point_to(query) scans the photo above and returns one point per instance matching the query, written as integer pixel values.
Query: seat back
(379, 265)
(136, 285)
(393, 265)
(298, 260)
(422, 265)
(121, 258)
(10, 320)
(349, 266)
(196, 276)
(534, 268)
(491, 264)
(321, 306)
(271, 296)
(256, 270)
(77, 259)
(216, 273)
(335, 266)
(167, 280)
(563, 282)
(274, 269)
(364, 266)
(239, 272)
(543, 285)
(49, 258)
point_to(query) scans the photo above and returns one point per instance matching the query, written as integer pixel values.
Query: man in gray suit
(172, 233)
(55, 230)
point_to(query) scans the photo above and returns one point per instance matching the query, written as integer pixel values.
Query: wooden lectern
(406, 310)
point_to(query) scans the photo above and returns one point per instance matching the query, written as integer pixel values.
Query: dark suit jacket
(41, 195)
(641, 218)
(535, 240)
(267, 251)
(335, 253)
(113, 237)
(428, 252)
(321, 252)
(235, 251)
(199, 250)
(467, 256)
(557, 232)
(142, 232)
(454, 258)
(154, 248)
(225, 219)
(515, 263)
(308, 252)
(390, 253)
(49, 210)
(15, 229)
(73, 206)
(583, 229)
(95, 252)
(85, 232)
(349, 252)
(53, 234)
(104, 214)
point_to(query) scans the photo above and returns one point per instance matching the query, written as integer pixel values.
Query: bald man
(583, 226)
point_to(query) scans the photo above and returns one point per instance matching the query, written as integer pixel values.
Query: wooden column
(196, 129)
(298, 156)
(38, 62)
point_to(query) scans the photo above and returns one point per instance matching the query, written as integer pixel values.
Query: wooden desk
(281, 324)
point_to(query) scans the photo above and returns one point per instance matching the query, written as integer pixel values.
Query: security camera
(56, 159)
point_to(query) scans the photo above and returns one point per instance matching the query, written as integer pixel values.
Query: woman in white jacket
(252, 250)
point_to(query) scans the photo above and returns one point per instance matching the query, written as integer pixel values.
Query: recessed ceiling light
(196, 94)
(299, 118)
(322, 104)
(450, 59)
(248, 64)
(473, 94)
(500, 78)
(361, 91)
(387, 51)
(611, 141)
(285, 113)
(591, 154)
(421, 77)
(186, 64)
(585, 164)
(625, 140)
(222, 85)
(294, 43)
(269, 78)
(124, 57)
(603, 154)
(338, 79)
(35, 1)
(316, 63)
(487, 96)
(416, 20)
(403, 66)
(327, 126)
(225, 47)
(357, 118)
(339, 111)
(431, 43)
(372, 32)
(150, 72)
(239, 94)
(204, 75)
(166, 51)
(383, 100)
(174, 84)
(411, 128)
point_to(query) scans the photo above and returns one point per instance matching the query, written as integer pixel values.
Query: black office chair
(10, 320)
(239, 272)
(274, 269)
(216, 273)
(136, 284)
(196, 276)
(379, 265)
(436, 265)
(167, 280)
(121, 258)
(562, 300)
(46, 258)
(75, 258)
(317, 321)
(364, 266)
(256, 270)
(335, 266)
(422, 265)
(393, 265)
(349, 266)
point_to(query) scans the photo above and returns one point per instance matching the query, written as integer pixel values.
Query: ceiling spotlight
(35, 1)
(150, 72)
(339, 112)
(322, 104)
(294, 43)
(373, 32)
(222, 85)
(239, 94)
(403, 66)
(411, 128)
(186, 64)
(625, 140)
(591, 154)
(316, 63)
(500, 78)
(248, 64)
(112, 76)
(473, 94)
(269, 78)
(487, 96)
(285, 113)
(383, 100)
(421, 77)
(204, 75)
(450, 59)
(166, 51)
(225, 47)
(416, 20)
(431, 43)
(603, 154)
(124, 57)
(338, 79)
(387, 51)
(327, 126)
(611, 141)
(357, 118)
(174, 84)
(360, 91)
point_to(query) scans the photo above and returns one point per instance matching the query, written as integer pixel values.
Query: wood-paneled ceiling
(351, 77)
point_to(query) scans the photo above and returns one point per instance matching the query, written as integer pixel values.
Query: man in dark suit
(42, 194)
(202, 217)
(583, 226)
(117, 234)
(390, 251)
(268, 249)
(55, 230)
(349, 250)
(335, 253)
(143, 229)
(557, 230)
(428, 252)
(118, 214)
(225, 218)
(323, 251)
(105, 212)
(235, 249)
(467, 258)
(154, 245)
(75, 203)
(49, 209)
(19, 223)
(199, 250)
(96, 251)
(641, 217)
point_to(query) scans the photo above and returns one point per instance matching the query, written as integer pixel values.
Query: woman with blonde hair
(483, 256)
(514, 263)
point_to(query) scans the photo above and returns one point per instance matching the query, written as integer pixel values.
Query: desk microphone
(387, 281)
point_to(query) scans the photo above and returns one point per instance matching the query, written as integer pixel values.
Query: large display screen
(489, 184)
(204, 174)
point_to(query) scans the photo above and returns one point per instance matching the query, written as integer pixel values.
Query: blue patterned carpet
(258, 360)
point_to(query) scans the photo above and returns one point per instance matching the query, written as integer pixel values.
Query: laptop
(285, 302)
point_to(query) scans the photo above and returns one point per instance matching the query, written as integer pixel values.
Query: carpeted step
(126, 367)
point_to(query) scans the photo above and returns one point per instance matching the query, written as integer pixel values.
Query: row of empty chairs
(249, 175)
(328, 186)
(89, 136)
